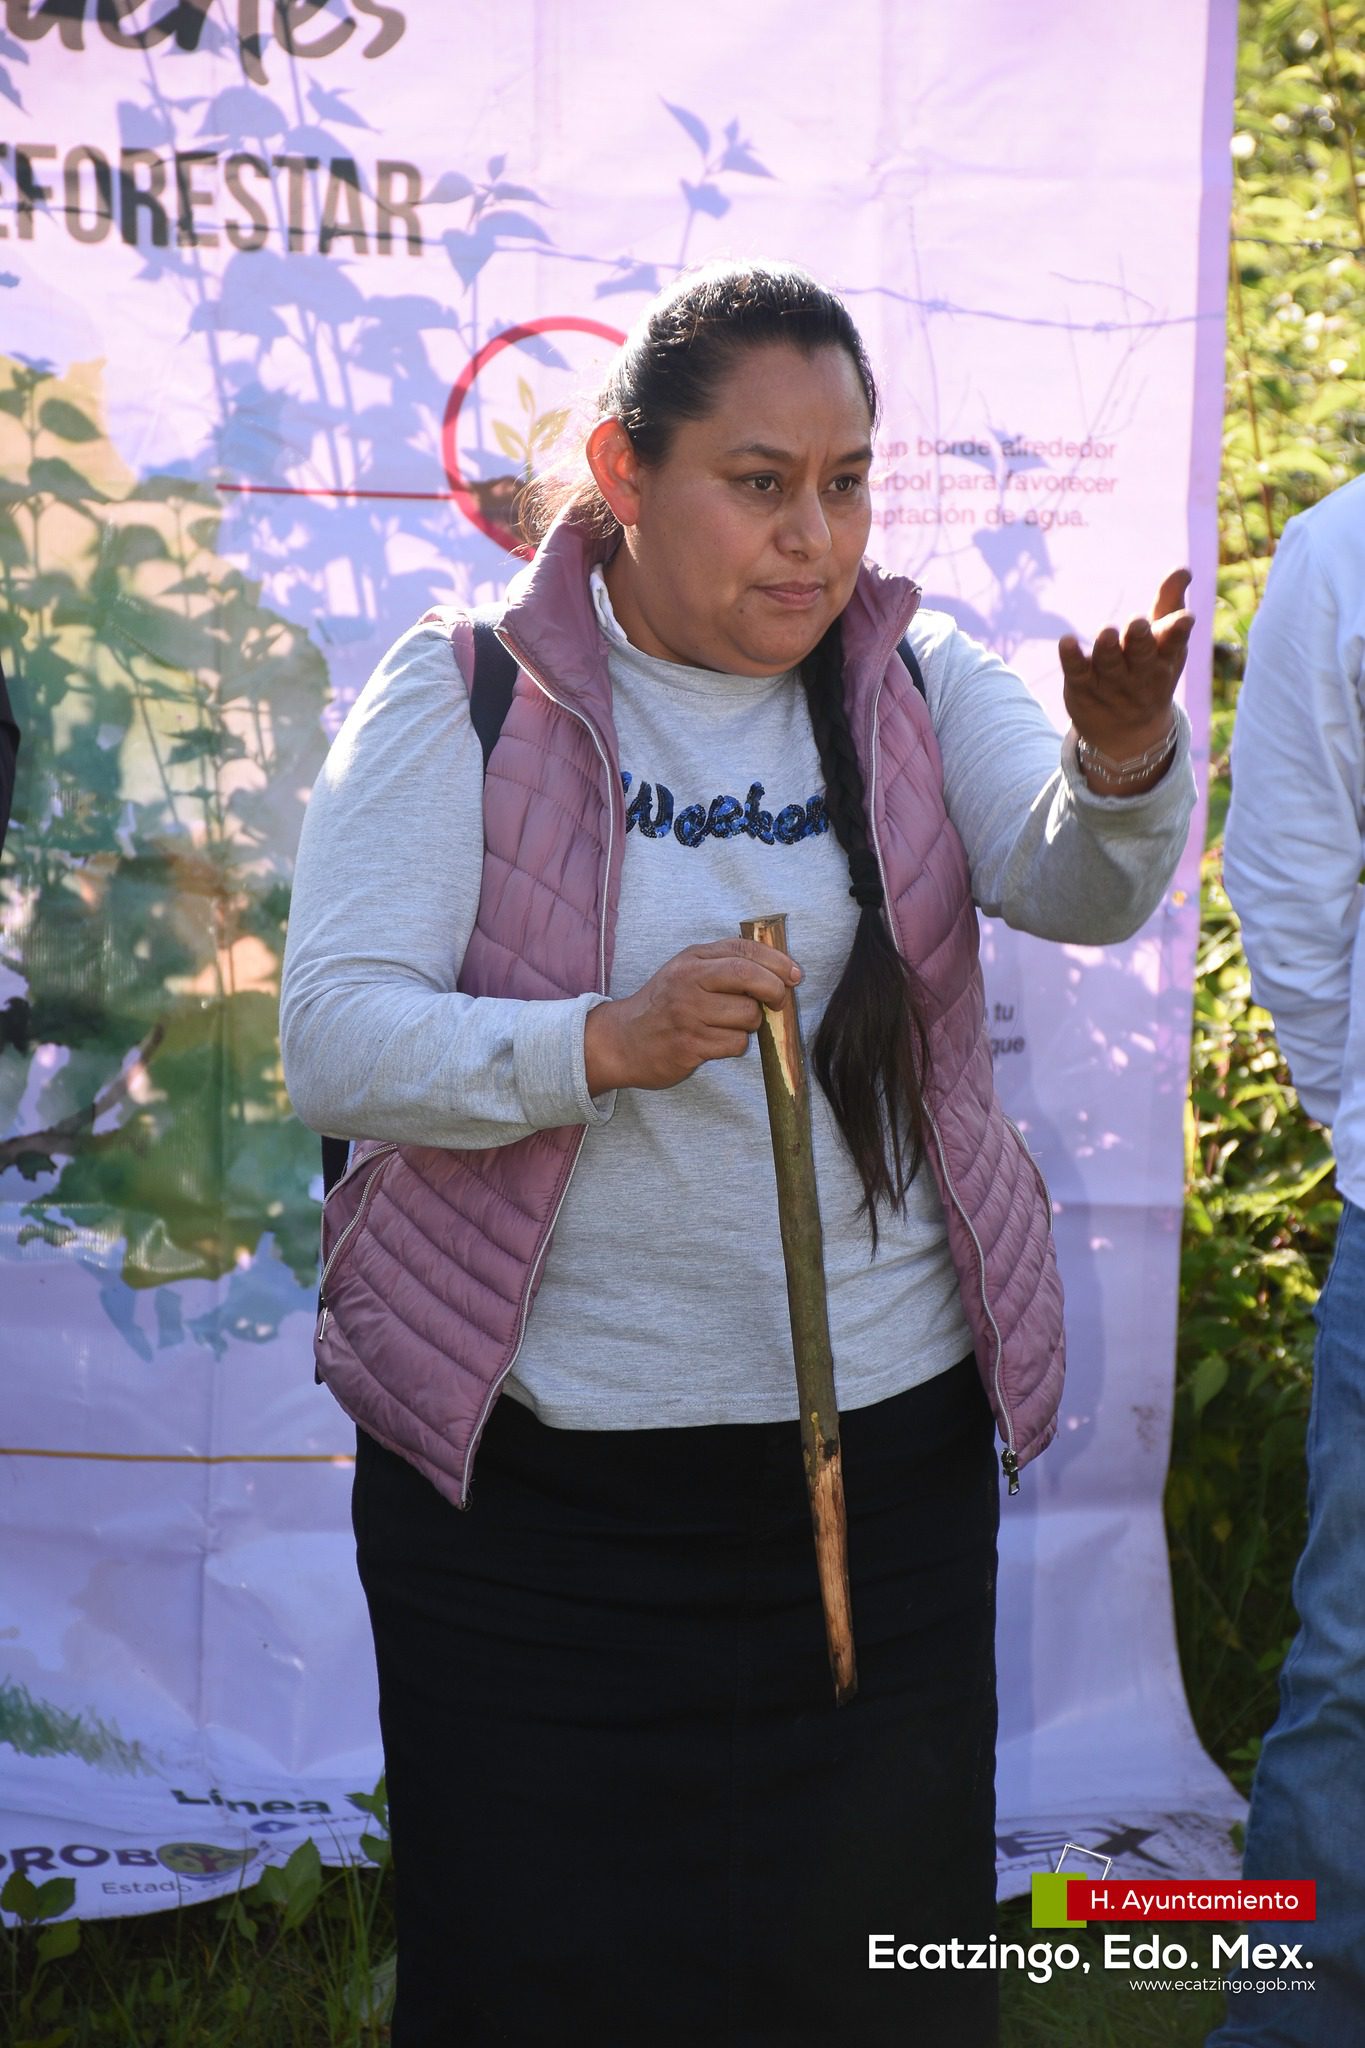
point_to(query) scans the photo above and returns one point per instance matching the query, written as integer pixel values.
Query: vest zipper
(494, 1386)
(1008, 1459)
(510, 644)
(538, 1260)
(380, 1152)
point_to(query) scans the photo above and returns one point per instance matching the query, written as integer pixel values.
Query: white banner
(290, 295)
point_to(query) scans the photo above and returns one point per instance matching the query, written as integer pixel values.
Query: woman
(621, 1796)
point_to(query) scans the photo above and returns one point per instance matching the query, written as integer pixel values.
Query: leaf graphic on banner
(54, 475)
(706, 198)
(240, 114)
(496, 166)
(154, 630)
(694, 127)
(171, 735)
(9, 91)
(68, 422)
(522, 192)
(1017, 460)
(164, 489)
(331, 106)
(1021, 564)
(469, 251)
(739, 157)
(548, 428)
(471, 248)
(630, 277)
(507, 222)
(450, 186)
(40, 1728)
(207, 744)
(144, 127)
(510, 442)
(307, 140)
(121, 1308)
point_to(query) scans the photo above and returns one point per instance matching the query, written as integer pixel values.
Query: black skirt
(624, 1806)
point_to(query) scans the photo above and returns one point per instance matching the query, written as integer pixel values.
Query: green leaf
(1209, 1378)
(19, 1895)
(293, 1886)
(30, 1903)
(1299, 459)
(62, 1940)
(233, 1911)
(375, 1803)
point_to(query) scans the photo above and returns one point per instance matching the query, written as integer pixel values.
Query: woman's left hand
(1119, 696)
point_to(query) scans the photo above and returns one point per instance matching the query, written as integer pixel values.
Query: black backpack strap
(907, 655)
(494, 678)
(490, 698)
(335, 1153)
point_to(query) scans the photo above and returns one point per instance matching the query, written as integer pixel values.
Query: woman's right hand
(701, 1005)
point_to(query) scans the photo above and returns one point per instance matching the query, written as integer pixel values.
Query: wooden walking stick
(788, 1092)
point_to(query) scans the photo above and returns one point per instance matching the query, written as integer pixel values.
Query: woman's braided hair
(872, 1048)
(871, 1051)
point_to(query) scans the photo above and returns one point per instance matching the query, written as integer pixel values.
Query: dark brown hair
(871, 1051)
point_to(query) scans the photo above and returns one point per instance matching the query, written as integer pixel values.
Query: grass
(1101, 2009)
(246, 1973)
(301, 1959)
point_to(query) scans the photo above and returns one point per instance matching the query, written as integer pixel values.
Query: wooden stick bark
(788, 1092)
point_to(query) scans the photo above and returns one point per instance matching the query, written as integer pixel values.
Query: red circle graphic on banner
(482, 501)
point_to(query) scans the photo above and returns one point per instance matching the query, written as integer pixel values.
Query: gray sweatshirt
(663, 1299)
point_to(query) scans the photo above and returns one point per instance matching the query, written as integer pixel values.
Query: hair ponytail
(871, 1052)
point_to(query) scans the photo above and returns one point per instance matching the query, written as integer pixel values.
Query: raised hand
(1119, 696)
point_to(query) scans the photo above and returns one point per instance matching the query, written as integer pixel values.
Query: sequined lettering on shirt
(651, 809)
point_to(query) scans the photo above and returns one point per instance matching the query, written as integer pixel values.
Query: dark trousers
(622, 1800)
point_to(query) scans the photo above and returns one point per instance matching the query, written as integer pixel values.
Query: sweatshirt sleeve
(1292, 850)
(376, 1040)
(1046, 854)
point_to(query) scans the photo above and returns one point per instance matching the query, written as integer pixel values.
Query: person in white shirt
(1292, 866)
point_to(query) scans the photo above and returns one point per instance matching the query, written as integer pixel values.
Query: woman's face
(743, 544)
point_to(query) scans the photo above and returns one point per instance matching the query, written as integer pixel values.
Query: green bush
(1261, 1209)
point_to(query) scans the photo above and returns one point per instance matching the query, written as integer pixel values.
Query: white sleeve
(1045, 853)
(1293, 846)
(376, 1041)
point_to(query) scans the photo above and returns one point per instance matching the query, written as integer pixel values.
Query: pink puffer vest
(432, 1257)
